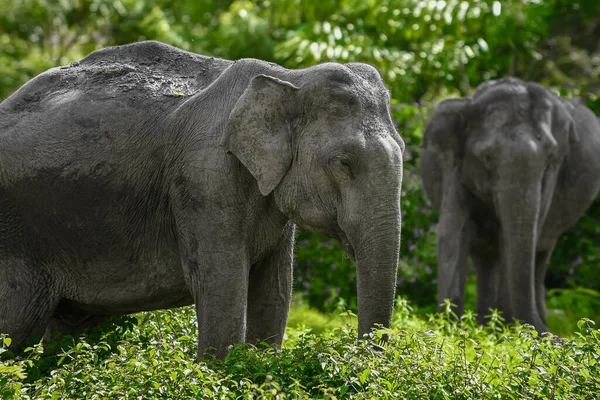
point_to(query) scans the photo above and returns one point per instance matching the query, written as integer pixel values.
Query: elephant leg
(219, 284)
(486, 288)
(216, 273)
(452, 274)
(26, 302)
(270, 292)
(215, 262)
(542, 258)
(452, 247)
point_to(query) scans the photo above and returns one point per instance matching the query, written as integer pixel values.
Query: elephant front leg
(485, 266)
(452, 270)
(453, 243)
(219, 285)
(217, 276)
(270, 292)
(542, 258)
(215, 259)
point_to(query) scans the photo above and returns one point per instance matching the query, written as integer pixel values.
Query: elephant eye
(346, 165)
(340, 168)
(339, 109)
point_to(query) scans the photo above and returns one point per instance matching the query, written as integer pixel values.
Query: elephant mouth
(343, 239)
(337, 234)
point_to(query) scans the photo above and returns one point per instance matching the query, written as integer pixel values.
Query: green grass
(152, 355)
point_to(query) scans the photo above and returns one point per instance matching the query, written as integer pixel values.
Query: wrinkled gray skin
(509, 170)
(145, 177)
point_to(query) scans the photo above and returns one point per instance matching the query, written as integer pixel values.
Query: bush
(434, 357)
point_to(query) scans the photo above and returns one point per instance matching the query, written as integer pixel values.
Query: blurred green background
(425, 50)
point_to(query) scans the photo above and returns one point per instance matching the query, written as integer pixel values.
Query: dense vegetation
(426, 51)
(154, 357)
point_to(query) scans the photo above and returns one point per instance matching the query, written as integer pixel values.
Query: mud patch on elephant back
(28, 102)
(143, 71)
(150, 67)
(114, 78)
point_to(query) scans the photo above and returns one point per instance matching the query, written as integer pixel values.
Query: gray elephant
(509, 170)
(146, 177)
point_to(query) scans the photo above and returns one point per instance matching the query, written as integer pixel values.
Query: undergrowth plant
(437, 357)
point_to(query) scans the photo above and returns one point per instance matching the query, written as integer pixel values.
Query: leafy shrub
(435, 357)
(567, 306)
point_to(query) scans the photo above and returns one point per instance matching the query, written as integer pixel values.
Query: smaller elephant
(509, 169)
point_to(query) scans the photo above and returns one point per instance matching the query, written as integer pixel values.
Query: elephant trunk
(376, 246)
(518, 205)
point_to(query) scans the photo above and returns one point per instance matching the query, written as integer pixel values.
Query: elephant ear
(258, 130)
(445, 130)
(562, 121)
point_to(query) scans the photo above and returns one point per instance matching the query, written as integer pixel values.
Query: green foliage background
(425, 50)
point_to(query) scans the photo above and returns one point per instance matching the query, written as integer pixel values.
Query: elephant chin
(337, 234)
(347, 246)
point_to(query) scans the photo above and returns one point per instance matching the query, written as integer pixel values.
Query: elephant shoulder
(586, 122)
(579, 176)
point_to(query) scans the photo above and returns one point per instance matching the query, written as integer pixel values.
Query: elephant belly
(105, 251)
(121, 288)
(138, 269)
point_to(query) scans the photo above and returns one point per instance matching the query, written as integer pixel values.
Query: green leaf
(364, 376)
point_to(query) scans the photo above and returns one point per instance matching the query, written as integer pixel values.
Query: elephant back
(143, 71)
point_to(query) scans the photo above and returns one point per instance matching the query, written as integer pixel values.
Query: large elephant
(509, 170)
(145, 177)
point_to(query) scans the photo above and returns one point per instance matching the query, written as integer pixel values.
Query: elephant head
(321, 142)
(503, 149)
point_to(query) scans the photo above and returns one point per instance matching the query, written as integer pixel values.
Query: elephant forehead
(374, 100)
(504, 95)
(508, 86)
(338, 80)
(518, 108)
(359, 89)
